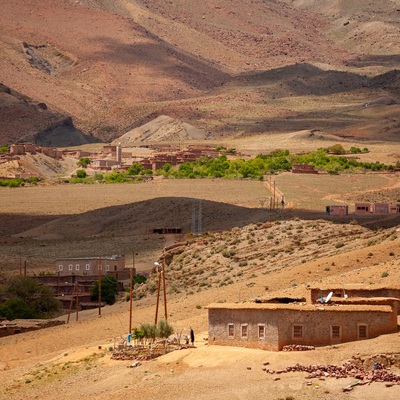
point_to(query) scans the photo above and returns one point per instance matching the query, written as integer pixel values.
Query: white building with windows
(92, 266)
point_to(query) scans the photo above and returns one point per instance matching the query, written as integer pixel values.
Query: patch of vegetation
(109, 289)
(27, 299)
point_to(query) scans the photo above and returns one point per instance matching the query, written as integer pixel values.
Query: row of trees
(149, 332)
(278, 160)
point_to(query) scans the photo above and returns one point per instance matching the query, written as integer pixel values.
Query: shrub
(109, 289)
(81, 173)
(164, 329)
(384, 274)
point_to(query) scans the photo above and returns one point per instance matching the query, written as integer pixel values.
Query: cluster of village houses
(352, 313)
(330, 315)
(112, 157)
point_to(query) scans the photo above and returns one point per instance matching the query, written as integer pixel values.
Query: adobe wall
(316, 293)
(218, 320)
(279, 326)
(317, 325)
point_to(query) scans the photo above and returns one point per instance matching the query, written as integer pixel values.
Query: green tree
(17, 309)
(164, 329)
(138, 334)
(116, 177)
(109, 289)
(149, 331)
(139, 279)
(3, 149)
(83, 162)
(81, 173)
(135, 169)
(337, 149)
(38, 300)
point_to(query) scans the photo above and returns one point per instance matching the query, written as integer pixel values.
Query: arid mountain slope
(110, 64)
(360, 26)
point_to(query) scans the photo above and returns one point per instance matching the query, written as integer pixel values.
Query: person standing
(191, 336)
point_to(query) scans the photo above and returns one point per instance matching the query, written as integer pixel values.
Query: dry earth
(61, 362)
(232, 68)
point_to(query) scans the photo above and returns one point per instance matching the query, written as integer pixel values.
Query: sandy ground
(66, 361)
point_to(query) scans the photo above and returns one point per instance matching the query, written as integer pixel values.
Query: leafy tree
(116, 177)
(135, 169)
(166, 167)
(138, 334)
(83, 162)
(337, 149)
(17, 309)
(29, 299)
(4, 149)
(149, 331)
(164, 329)
(139, 279)
(109, 289)
(23, 288)
(81, 173)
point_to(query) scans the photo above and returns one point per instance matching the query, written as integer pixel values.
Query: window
(60, 267)
(261, 331)
(336, 332)
(77, 267)
(297, 331)
(231, 330)
(362, 331)
(70, 267)
(87, 267)
(244, 331)
(107, 267)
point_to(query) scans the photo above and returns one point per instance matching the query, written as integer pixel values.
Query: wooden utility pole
(99, 284)
(72, 301)
(131, 292)
(158, 291)
(161, 275)
(165, 291)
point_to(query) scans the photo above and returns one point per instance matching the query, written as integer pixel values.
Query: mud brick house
(353, 290)
(337, 210)
(93, 266)
(303, 169)
(362, 208)
(385, 208)
(272, 326)
(356, 294)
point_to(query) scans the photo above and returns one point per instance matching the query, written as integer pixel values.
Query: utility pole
(131, 292)
(99, 284)
(161, 276)
(262, 201)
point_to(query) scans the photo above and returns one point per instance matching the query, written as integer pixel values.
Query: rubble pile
(125, 355)
(297, 347)
(381, 374)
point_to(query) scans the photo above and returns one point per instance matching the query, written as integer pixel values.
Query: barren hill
(107, 65)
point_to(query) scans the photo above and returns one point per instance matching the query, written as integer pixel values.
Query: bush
(81, 174)
(29, 300)
(164, 329)
(109, 289)
(384, 274)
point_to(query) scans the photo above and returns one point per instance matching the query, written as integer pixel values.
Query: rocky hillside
(104, 66)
